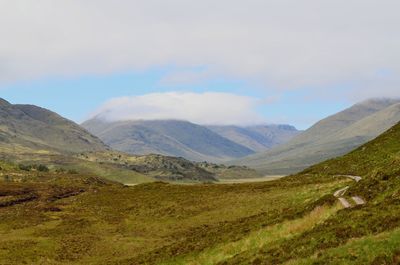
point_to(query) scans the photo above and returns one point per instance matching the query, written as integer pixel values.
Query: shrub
(42, 168)
(60, 170)
(25, 167)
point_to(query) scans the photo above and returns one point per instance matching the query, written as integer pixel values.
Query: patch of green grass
(378, 249)
(111, 172)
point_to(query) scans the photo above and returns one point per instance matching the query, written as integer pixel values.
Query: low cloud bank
(201, 108)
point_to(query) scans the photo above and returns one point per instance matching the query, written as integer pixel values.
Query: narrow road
(355, 178)
(340, 193)
(344, 202)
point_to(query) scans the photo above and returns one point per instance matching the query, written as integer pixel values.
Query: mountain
(31, 128)
(331, 137)
(257, 138)
(167, 137)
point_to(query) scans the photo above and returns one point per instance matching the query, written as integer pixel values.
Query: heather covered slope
(167, 137)
(331, 137)
(362, 234)
(26, 128)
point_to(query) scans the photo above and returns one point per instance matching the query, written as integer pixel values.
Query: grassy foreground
(48, 218)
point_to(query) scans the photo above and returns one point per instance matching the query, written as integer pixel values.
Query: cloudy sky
(209, 61)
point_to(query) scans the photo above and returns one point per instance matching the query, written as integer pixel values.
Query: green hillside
(365, 234)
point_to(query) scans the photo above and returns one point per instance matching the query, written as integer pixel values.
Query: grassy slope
(361, 235)
(146, 224)
(112, 171)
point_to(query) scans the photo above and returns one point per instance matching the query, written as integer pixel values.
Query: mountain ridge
(166, 137)
(328, 138)
(185, 139)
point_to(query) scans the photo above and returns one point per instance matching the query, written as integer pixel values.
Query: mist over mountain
(328, 138)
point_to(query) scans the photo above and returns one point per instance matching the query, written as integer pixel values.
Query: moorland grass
(83, 220)
(271, 235)
(377, 249)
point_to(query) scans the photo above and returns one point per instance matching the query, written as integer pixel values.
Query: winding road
(340, 193)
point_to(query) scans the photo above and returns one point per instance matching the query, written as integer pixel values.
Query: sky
(210, 62)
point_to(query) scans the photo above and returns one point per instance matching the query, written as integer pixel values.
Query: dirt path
(358, 200)
(355, 178)
(344, 202)
(340, 193)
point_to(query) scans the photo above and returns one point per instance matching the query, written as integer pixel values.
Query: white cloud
(287, 44)
(201, 108)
